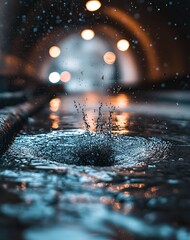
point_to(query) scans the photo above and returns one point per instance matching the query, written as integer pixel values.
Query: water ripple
(78, 147)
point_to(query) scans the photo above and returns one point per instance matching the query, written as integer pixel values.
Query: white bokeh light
(87, 34)
(54, 51)
(123, 45)
(54, 77)
(93, 5)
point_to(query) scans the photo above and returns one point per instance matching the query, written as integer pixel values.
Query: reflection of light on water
(93, 5)
(55, 120)
(122, 123)
(87, 34)
(55, 104)
(92, 100)
(109, 57)
(120, 101)
(151, 192)
(118, 188)
(54, 52)
(54, 107)
(123, 45)
(115, 205)
(91, 119)
(54, 77)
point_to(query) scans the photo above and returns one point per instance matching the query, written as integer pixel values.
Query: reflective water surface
(59, 181)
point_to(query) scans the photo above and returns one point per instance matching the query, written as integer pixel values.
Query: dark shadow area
(94, 120)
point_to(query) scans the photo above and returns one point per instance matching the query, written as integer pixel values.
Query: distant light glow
(55, 104)
(54, 77)
(93, 5)
(109, 57)
(54, 51)
(87, 34)
(123, 45)
(65, 76)
(55, 120)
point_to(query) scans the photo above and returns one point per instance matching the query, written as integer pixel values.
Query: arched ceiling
(30, 25)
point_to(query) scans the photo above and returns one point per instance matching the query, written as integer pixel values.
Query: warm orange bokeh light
(93, 5)
(109, 58)
(54, 51)
(87, 34)
(55, 104)
(123, 45)
(65, 76)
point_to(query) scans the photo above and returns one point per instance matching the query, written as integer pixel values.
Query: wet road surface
(59, 182)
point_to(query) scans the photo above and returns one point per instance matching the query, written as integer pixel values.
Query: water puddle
(78, 147)
(104, 182)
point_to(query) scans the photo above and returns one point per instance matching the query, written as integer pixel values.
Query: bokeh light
(93, 5)
(65, 76)
(87, 34)
(54, 51)
(123, 45)
(54, 77)
(55, 104)
(109, 57)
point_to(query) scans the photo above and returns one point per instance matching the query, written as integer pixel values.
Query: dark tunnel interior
(157, 33)
(94, 119)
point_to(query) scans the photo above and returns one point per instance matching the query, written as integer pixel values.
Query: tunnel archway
(154, 59)
(127, 65)
(84, 62)
(127, 28)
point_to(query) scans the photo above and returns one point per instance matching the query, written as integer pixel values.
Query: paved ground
(142, 194)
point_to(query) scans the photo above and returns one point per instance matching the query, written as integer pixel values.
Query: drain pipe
(12, 118)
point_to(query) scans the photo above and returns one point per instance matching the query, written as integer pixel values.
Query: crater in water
(79, 147)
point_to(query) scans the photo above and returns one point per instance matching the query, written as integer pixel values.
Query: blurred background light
(65, 76)
(54, 77)
(109, 58)
(123, 45)
(87, 34)
(55, 104)
(93, 5)
(54, 51)
(83, 67)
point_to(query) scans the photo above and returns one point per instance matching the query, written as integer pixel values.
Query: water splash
(101, 126)
(96, 148)
(86, 147)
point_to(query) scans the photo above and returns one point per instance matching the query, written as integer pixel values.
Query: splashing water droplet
(96, 148)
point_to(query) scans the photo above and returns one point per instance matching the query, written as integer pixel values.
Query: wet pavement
(59, 182)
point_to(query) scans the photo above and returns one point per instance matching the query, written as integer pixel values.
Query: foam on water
(79, 147)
